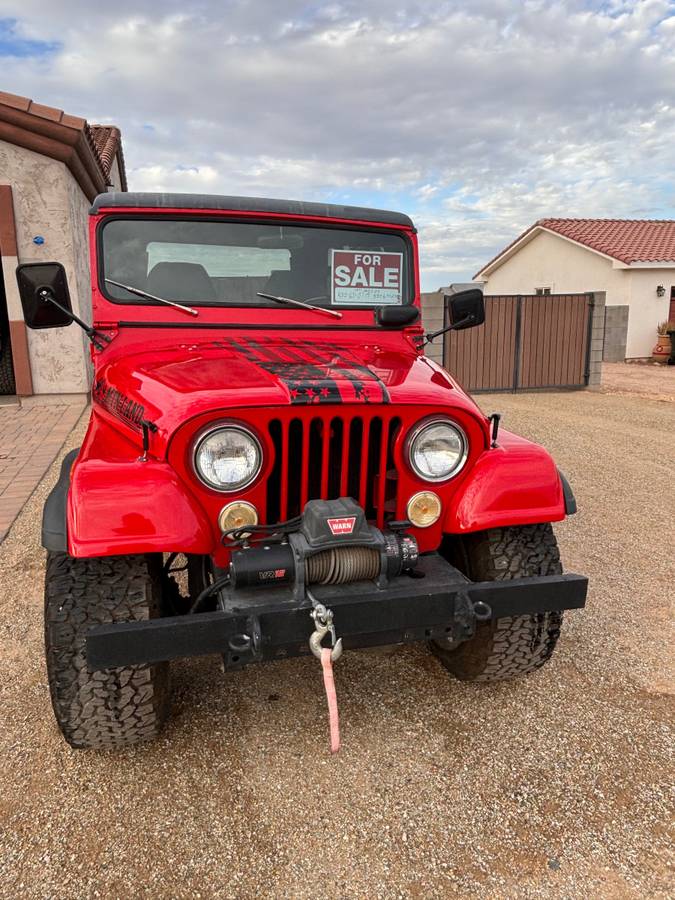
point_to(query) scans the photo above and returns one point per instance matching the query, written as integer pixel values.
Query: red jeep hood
(171, 384)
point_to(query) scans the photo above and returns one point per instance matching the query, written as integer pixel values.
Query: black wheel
(505, 648)
(113, 707)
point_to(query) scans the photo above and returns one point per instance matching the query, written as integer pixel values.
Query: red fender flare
(515, 483)
(124, 507)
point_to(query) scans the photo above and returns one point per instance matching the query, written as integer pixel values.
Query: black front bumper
(440, 603)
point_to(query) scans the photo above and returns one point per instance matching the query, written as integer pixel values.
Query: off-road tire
(507, 647)
(112, 707)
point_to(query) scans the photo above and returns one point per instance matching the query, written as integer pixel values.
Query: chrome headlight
(228, 458)
(437, 450)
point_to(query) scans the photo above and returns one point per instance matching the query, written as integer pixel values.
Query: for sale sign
(364, 277)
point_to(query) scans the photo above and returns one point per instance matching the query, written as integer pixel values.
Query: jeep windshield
(229, 263)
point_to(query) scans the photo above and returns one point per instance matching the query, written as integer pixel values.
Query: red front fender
(516, 483)
(133, 507)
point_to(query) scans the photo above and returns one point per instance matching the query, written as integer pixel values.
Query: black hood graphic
(314, 373)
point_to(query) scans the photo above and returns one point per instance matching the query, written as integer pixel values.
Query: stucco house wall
(52, 166)
(549, 260)
(50, 204)
(44, 201)
(646, 309)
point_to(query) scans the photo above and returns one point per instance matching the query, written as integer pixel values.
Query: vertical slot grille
(328, 456)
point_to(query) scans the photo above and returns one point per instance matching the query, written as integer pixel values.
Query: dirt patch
(653, 381)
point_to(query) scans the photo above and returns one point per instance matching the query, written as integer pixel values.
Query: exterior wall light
(660, 290)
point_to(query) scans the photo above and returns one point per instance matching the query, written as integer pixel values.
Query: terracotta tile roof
(108, 141)
(626, 240)
(88, 150)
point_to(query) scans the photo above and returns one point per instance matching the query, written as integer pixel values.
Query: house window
(542, 291)
(671, 312)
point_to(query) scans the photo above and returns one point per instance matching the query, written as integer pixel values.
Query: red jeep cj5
(264, 420)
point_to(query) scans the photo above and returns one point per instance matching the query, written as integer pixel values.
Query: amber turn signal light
(239, 514)
(424, 509)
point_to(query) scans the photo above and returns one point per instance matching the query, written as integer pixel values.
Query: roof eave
(646, 264)
(64, 140)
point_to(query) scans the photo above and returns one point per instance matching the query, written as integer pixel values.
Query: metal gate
(527, 342)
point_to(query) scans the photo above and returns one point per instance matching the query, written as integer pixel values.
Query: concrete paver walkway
(31, 435)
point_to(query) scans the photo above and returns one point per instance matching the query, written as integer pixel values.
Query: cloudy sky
(475, 117)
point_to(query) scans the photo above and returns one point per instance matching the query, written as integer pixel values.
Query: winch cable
(208, 591)
(245, 534)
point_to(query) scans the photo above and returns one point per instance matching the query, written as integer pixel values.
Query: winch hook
(323, 620)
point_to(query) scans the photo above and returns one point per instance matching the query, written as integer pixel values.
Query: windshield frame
(401, 232)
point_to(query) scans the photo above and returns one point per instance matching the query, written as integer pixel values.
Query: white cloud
(475, 117)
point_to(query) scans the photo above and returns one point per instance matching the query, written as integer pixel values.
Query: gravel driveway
(552, 786)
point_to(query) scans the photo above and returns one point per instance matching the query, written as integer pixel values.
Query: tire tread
(113, 707)
(511, 646)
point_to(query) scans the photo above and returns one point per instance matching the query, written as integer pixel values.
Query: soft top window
(228, 263)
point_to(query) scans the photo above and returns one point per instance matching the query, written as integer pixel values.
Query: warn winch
(333, 544)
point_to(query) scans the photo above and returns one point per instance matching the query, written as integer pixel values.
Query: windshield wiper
(140, 293)
(319, 309)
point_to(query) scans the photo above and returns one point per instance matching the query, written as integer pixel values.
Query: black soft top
(126, 200)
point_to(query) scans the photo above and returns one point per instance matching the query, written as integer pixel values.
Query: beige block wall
(49, 202)
(565, 267)
(432, 320)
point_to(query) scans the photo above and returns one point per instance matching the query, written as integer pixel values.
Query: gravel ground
(552, 786)
(650, 380)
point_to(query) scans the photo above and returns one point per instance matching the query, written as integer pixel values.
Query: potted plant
(661, 350)
(670, 331)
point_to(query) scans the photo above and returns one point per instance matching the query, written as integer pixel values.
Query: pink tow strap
(331, 698)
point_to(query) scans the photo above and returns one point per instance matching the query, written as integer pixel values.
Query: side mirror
(396, 315)
(45, 299)
(465, 309)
